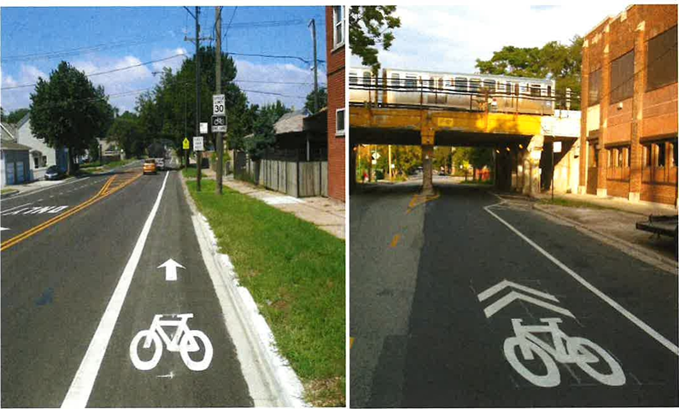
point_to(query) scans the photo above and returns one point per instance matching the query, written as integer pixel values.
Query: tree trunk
(69, 162)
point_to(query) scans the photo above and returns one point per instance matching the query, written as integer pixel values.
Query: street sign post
(218, 104)
(203, 128)
(218, 123)
(198, 143)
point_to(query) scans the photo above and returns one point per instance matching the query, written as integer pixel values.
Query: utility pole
(199, 157)
(220, 140)
(312, 23)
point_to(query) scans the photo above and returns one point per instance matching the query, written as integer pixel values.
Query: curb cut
(277, 380)
(631, 249)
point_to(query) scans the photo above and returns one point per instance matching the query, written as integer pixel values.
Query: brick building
(335, 23)
(629, 106)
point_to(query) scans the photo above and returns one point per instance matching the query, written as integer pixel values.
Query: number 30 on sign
(218, 104)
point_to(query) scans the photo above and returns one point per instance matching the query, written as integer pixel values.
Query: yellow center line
(394, 241)
(351, 342)
(100, 195)
(419, 200)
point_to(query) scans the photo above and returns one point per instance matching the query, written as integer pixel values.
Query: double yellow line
(37, 229)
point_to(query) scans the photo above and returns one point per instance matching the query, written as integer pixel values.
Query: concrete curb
(272, 382)
(634, 250)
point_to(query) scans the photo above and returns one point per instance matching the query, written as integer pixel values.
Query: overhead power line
(106, 72)
(292, 57)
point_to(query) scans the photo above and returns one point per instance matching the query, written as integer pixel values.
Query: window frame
(336, 44)
(342, 132)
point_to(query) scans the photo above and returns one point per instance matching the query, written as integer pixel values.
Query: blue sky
(451, 38)
(133, 35)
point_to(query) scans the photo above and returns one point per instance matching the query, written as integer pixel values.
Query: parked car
(150, 166)
(54, 173)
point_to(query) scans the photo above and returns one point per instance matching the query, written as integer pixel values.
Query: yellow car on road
(150, 166)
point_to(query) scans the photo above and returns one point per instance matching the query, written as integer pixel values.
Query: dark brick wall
(336, 144)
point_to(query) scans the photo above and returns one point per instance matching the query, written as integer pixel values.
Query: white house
(41, 156)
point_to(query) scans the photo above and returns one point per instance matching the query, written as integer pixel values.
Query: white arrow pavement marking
(506, 283)
(507, 299)
(170, 267)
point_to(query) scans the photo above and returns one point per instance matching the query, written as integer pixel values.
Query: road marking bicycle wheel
(157, 353)
(550, 379)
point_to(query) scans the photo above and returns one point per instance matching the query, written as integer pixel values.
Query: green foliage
(368, 27)
(264, 135)
(16, 115)
(554, 60)
(67, 110)
(322, 100)
(126, 133)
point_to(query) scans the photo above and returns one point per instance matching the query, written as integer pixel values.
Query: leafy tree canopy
(16, 115)
(554, 60)
(68, 111)
(322, 100)
(264, 134)
(370, 26)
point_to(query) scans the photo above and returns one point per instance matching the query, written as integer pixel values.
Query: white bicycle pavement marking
(634, 319)
(83, 382)
(182, 340)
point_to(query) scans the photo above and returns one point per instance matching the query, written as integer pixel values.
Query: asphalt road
(435, 286)
(58, 286)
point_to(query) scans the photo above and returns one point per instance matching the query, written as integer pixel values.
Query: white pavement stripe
(83, 382)
(639, 323)
(16, 207)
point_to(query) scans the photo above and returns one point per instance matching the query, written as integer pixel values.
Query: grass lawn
(296, 274)
(7, 191)
(95, 167)
(573, 203)
(191, 172)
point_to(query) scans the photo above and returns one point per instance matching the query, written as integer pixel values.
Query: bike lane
(463, 310)
(170, 383)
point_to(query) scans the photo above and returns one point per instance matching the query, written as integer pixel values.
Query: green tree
(554, 60)
(264, 134)
(370, 26)
(322, 100)
(127, 135)
(68, 111)
(17, 115)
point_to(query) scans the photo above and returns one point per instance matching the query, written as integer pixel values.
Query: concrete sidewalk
(614, 225)
(33, 186)
(328, 214)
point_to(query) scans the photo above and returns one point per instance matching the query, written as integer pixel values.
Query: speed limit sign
(218, 105)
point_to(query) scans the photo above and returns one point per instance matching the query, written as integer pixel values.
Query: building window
(594, 87)
(36, 162)
(339, 122)
(366, 78)
(647, 156)
(673, 147)
(395, 80)
(660, 154)
(353, 79)
(593, 155)
(474, 85)
(661, 59)
(622, 77)
(535, 91)
(489, 85)
(338, 23)
(625, 157)
(44, 161)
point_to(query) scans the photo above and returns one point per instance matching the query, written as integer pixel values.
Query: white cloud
(274, 75)
(173, 63)
(452, 38)
(13, 99)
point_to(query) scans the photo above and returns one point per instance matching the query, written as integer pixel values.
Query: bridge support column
(427, 158)
(531, 166)
(353, 151)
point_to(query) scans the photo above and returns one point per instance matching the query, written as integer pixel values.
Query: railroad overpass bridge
(519, 139)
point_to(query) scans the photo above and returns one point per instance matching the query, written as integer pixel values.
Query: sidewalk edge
(273, 383)
(634, 250)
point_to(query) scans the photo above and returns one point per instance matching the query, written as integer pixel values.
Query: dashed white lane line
(636, 321)
(83, 382)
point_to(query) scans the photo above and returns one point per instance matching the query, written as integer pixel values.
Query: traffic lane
(455, 354)
(385, 248)
(33, 210)
(649, 293)
(171, 382)
(55, 287)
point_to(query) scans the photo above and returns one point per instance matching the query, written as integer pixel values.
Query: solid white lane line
(83, 382)
(639, 323)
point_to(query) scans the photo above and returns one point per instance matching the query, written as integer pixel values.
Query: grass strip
(296, 274)
(574, 203)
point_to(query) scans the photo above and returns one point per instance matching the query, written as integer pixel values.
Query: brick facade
(635, 136)
(336, 100)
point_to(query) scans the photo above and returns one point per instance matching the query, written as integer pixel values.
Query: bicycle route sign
(528, 341)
